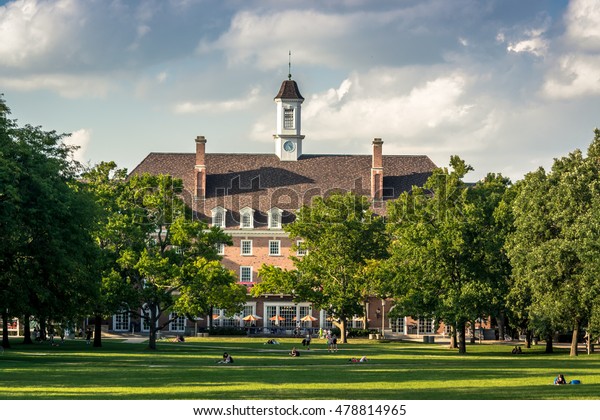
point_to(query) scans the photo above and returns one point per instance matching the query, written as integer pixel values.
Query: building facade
(252, 196)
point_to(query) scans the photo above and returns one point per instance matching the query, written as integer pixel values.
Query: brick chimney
(200, 168)
(377, 170)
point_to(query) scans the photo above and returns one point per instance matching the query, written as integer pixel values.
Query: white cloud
(577, 69)
(31, 29)
(578, 75)
(81, 139)
(315, 37)
(536, 46)
(583, 24)
(218, 106)
(414, 110)
(68, 86)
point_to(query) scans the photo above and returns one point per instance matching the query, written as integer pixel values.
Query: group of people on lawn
(331, 347)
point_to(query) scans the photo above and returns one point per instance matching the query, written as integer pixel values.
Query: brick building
(252, 195)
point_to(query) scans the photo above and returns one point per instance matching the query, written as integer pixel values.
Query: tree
(443, 248)
(341, 235)
(115, 232)
(48, 253)
(178, 269)
(554, 248)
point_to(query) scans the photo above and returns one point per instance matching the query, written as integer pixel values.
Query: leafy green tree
(114, 233)
(47, 253)
(341, 235)
(178, 269)
(444, 249)
(554, 248)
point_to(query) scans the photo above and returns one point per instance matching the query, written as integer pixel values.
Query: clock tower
(288, 140)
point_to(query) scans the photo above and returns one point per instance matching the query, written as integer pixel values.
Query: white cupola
(288, 138)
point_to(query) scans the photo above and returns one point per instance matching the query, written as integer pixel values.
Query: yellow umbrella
(251, 318)
(308, 318)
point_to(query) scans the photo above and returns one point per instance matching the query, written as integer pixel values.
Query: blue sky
(506, 84)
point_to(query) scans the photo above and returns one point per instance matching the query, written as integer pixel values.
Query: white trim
(247, 212)
(242, 241)
(216, 212)
(275, 218)
(251, 274)
(278, 242)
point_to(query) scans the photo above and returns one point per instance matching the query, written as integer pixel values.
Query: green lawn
(188, 370)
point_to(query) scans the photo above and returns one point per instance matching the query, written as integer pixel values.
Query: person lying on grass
(357, 360)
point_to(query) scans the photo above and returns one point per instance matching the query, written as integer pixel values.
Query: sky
(507, 85)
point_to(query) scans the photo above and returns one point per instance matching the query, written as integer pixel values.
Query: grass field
(189, 370)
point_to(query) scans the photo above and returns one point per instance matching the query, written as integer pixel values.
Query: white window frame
(249, 269)
(289, 118)
(300, 252)
(276, 243)
(179, 324)
(242, 243)
(220, 247)
(219, 213)
(275, 218)
(247, 212)
(120, 318)
(145, 324)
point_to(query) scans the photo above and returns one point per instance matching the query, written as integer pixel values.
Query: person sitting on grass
(295, 352)
(226, 358)
(560, 380)
(271, 341)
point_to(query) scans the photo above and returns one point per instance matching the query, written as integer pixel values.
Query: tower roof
(289, 90)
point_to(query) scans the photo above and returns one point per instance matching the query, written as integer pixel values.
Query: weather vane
(290, 66)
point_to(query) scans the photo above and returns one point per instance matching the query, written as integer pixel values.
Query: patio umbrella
(251, 318)
(215, 316)
(277, 318)
(308, 318)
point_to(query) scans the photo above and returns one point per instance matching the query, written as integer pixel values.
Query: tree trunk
(453, 344)
(549, 348)
(42, 328)
(528, 336)
(26, 330)
(501, 326)
(5, 342)
(472, 332)
(366, 311)
(343, 334)
(462, 343)
(97, 330)
(152, 333)
(574, 339)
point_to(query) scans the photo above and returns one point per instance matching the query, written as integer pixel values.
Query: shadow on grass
(188, 370)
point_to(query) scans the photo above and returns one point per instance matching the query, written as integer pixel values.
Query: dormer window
(275, 218)
(218, 216)
(247, 218)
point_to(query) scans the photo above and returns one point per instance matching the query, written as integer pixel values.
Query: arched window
(218, 216)
(247, 218)
(275, 218)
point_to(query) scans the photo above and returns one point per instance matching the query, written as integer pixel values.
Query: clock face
(289, 146)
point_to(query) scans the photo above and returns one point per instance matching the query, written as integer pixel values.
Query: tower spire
(290, 65)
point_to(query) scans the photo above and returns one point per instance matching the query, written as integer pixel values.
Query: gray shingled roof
(262, 181)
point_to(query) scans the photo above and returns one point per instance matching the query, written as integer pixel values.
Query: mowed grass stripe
(189, 370)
